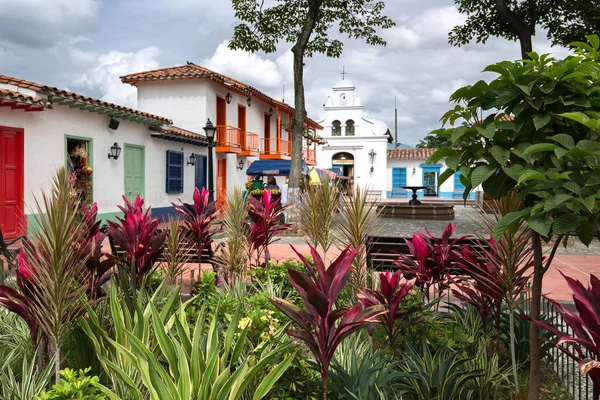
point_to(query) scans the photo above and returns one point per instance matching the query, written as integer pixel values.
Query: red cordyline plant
(584, 345)
(198, 219)
(266, 225)
(97, 262)
(321, 327)
(392, 290)
(138, 235)
(22, 303)
(429, 260)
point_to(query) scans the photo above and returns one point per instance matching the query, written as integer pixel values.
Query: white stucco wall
(44, 147)
(190, 102)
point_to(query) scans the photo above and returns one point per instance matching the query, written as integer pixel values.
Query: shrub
(77, 385)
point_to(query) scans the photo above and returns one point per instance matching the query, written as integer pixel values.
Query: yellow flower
(244, 322)
(512, 148)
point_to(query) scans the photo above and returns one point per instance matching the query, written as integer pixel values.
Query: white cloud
(38, 23)
(103, 78)
(250, 68)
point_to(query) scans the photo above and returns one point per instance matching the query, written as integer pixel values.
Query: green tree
(307, 24)
(565, 21)
(434, 142)
(549, 153)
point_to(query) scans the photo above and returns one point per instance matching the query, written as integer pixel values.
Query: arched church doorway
(345, 163)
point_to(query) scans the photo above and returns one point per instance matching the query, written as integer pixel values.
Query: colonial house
(356, 144)
(109, 150)
(251, 125)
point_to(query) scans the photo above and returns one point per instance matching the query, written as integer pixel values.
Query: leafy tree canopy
(565, 20)
(264, 27)
(549, 151)
(433, 142)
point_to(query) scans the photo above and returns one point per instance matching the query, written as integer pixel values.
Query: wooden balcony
(228, 139)
(310, 156)
(275, 149)
(251, 145)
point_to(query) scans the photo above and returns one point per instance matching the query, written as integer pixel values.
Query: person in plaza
(272, 185)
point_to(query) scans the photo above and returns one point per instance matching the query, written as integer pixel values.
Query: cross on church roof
(343, 73)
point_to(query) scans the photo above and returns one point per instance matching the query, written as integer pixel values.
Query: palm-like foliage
(174, 252)
(317, 209)
(266, 225)
(198, 218)
(53, 273)
(321, 327)
(358, 219)
(233, 255)
(159, 356)
(390, 295)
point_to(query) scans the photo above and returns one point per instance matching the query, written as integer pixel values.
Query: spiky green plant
(174, 250)
(233, 254)
(58, 272)
(159, 356)
(28, 383)
(358, 219)
(317, 209)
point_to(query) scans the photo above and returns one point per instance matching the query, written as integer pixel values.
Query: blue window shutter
(398, 178)
(457, 183)
(174, 172)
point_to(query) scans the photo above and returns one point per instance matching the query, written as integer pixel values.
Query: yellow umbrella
(314, 177)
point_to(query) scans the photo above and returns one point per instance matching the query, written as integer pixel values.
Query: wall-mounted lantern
(414, 170)
(271, 112)
(240, 165)
(249, 101)
(115, 151)
(228, 98)
(113, 124)
(192, 159)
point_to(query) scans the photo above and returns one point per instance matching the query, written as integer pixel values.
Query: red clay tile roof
(59, 96)
(177, 134)
(194, 71)
(22, 100)
(409, 154)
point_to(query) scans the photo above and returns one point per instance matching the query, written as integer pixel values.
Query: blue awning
(272, 167)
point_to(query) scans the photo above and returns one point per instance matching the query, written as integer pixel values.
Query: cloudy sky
(84, 45)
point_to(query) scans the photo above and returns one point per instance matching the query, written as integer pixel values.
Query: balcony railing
(276, 147)
(228, 138)
(309, 155)
(251, 145)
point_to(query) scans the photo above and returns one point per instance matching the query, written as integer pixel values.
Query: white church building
(360, 149)
(356, 144)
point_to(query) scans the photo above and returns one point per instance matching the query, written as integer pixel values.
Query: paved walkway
(576, 261)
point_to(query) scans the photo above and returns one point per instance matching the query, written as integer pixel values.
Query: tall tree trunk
(513, 353)
(298, 51)
(534, 332)
(520, 27)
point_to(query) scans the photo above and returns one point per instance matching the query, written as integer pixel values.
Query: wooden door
(12, 217)
(268, 145)
(200, 177)
(134, 172)
(242, 124)
(221, 179)
(221, 111)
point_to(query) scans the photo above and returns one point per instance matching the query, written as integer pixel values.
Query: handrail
(228, 135)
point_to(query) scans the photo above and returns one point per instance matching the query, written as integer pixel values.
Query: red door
(221, 179)
(12, 221)
(268, 145)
